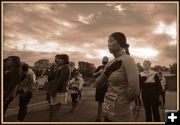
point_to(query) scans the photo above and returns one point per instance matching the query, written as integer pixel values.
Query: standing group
(118, 84)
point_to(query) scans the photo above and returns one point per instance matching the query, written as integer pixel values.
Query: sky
(41, 30)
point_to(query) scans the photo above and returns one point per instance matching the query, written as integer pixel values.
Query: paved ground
(86, 112)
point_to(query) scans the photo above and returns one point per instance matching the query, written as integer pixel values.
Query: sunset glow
(81, 30)
(144, 52)
(168, 29)
(102, 53)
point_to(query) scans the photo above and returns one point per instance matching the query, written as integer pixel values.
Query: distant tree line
(172, 68)
(87, 68)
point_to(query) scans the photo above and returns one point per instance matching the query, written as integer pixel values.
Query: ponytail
(126, 48)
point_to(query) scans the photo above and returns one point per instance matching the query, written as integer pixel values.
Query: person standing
(100, 93)
(11, 79)
(58, 86)
(25, 90)
(163, 85)
(73, 72)
(80, 87)
(75, 86)
(51, 76)
(121, 76)
(73, 69)
(151, 89)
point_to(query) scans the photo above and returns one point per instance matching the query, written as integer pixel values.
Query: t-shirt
(122, 88)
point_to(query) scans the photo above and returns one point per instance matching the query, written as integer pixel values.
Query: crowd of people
(118, 83)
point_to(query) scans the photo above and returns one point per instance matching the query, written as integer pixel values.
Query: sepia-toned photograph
(89, 62)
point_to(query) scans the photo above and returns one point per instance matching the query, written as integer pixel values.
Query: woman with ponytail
(121, 76)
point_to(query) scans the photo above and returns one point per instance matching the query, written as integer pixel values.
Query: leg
(106, 119)
(139, 100)
(74, 98)
(54, 112)
(136, 102)
(8, 98)
(48, 97)
(24, 100)
(155, 108)
(99, 96)
(147, 108)
(79, 94)
(6, 104)
(163, 96)
(99, 110)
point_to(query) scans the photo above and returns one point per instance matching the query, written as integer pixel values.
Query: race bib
(110, 104)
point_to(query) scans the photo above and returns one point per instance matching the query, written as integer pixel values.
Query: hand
(149, 75)
(101, 70)
(111, 68)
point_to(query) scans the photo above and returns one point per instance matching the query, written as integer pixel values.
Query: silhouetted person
(58, 86)
(163, 85)
(12, 77)
(121, 76)
(151, 89)
(25, 90)
(75, 86)
(100, 93)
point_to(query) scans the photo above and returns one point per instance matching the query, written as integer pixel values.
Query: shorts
(74, 97)
(100, 93)
(59, 98)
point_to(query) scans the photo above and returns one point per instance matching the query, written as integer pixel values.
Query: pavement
(38, 109)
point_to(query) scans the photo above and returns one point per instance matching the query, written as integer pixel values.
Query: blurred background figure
(57, 87)
(100, 93)
(73, 69)
(75, 86)
(163, 93)
(25, 90)
(80, 87)
(151, 89)
(13, 75)
(51, 76)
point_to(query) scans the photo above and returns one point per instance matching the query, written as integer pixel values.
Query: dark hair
(76, 72)
(72, 63)
(64, 57)
(15, 60)
(25, 67)
(57, 56)
(121, 39)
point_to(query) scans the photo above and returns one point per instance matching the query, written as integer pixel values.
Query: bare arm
(98, 71)
(96, 74)
(132, 77)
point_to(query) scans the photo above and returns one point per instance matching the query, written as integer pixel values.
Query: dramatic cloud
(41, 30)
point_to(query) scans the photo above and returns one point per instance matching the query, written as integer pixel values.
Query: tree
(42, 63)
(86, 68)
(156, 68)
(164, 68)
(173, 68)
